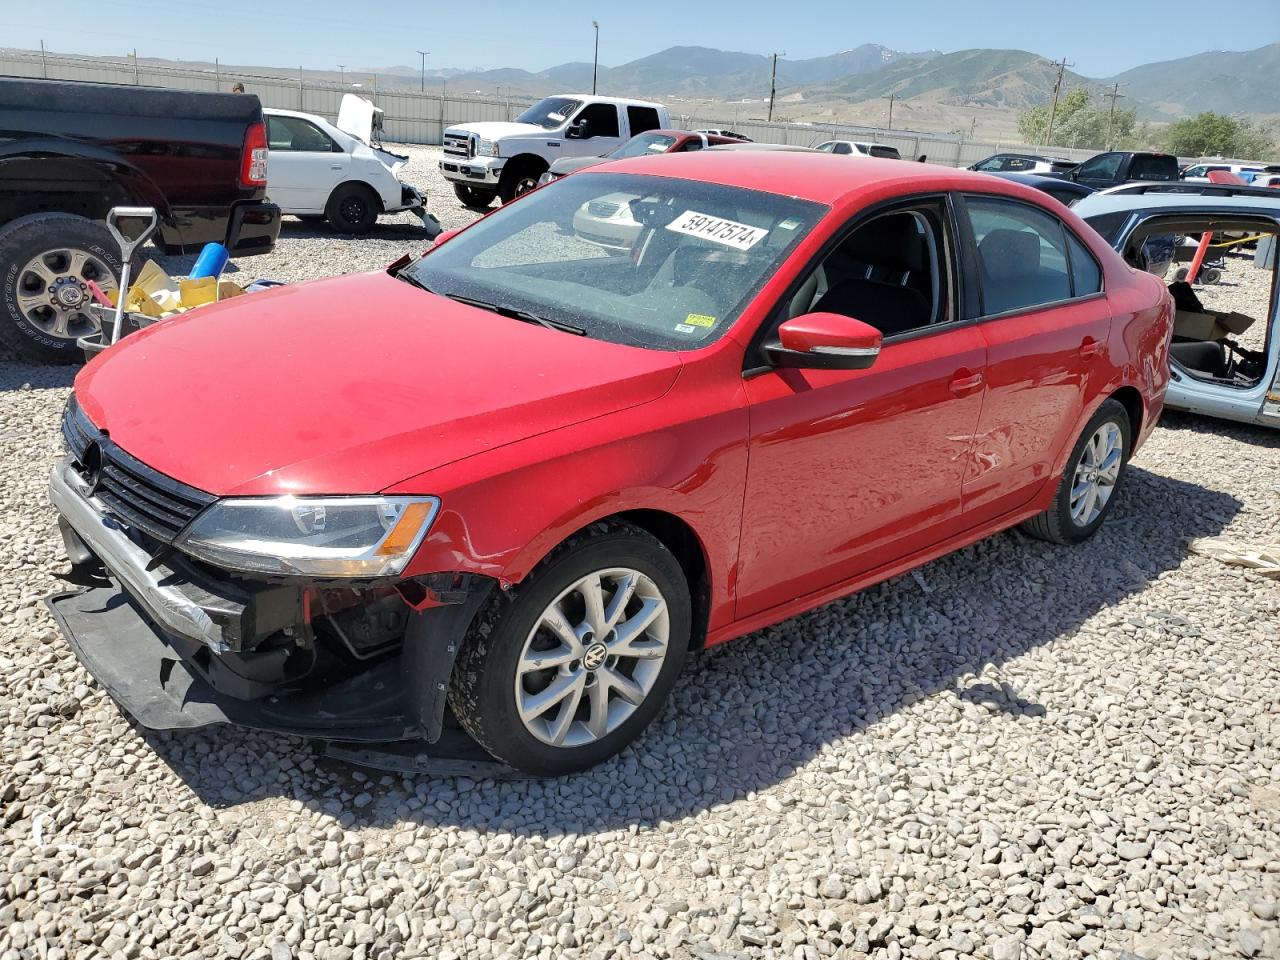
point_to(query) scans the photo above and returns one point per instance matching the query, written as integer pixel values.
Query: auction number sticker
(740, 236)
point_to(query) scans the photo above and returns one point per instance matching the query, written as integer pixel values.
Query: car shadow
(1253, 434)
(18, 374)
(747, 715)
(390, 230)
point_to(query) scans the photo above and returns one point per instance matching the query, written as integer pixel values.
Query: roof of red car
(820, 177)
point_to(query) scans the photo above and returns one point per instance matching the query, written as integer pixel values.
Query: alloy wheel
(592, 657)
(1096, 474)
(53, 291)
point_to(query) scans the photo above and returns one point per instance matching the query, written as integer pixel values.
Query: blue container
(212, 259)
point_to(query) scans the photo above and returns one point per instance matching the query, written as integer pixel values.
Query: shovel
(127, 247)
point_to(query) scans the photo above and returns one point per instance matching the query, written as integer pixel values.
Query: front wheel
(520, 180)
(567, 668)
(472, 197)
(1092, 476)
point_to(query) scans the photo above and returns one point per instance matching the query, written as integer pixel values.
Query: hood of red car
(349, 385)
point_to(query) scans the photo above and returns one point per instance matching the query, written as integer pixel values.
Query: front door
(851, 470)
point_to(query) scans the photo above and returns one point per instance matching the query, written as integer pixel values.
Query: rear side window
(1022, 255)
(296, 135)
(1155, 167)
(1086, 275)
(642, 119)
(602, 120)
(889, 153)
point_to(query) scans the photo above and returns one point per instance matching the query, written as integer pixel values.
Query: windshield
(550, 113)
(650, 261)
(644, 143)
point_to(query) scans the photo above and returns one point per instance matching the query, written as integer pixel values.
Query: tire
(45, 261)
(1059, 524)
(472, 197)
(352, 208)
(519, 178)
(487, 690)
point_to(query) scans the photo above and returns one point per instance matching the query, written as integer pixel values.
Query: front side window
(644, 144)
(1104, 167)
(1022, 255)
(296, 135)
(656, 262)
(601, 120)
(550, 113)
(991, 165)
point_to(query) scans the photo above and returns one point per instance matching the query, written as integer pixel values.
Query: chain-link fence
(411, 116)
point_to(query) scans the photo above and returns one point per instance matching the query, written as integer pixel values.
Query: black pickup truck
(1111, 169)
(69, 152)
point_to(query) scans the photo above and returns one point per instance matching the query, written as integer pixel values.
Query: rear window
(1154, 167)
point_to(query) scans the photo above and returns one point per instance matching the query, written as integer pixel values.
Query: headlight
(312, 536)
(487, 148)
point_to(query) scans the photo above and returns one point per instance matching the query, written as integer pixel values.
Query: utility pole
(423, 54)
(891, 98)
(301, 99)
(1057, 89)
(595, 60)
(341, 75)
(1111, 119)
(134, 55)
(773, 82)
(44, 64)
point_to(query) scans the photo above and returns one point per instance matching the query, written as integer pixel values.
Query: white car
(860, 148)
(319, 170)
(1212, 373)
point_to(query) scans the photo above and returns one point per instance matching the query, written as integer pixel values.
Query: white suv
(860, 148)
(499, 159)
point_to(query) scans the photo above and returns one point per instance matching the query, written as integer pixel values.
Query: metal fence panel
(413, 117)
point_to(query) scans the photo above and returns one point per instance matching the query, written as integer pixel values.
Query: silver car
(1224, 364)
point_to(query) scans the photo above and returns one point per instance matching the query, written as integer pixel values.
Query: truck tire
(473, 197)
(46, 260)
(521, 176)
(352, 208)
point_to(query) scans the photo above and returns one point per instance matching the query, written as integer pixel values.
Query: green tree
(1215, 135)
(1078, 123)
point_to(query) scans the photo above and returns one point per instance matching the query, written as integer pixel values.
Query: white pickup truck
(500, 159)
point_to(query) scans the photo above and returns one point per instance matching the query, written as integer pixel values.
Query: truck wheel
(519, 178)
(46, 262)
(564, 670)
(472, 197)
(352, 208)
(1086, 491)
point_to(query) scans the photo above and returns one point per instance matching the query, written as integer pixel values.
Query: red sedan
(525, 477)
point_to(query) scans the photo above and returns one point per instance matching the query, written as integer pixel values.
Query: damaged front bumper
(181, 645)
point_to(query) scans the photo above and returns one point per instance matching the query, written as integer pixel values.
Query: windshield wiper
(410, 278)
(516, 313)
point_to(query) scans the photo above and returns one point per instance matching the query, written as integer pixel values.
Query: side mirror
(825, 341)
(443, 238)
(577, 131)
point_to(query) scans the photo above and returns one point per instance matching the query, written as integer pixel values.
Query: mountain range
(1227, 82)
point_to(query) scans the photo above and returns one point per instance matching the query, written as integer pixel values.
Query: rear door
(1046, 323)
(304, 164)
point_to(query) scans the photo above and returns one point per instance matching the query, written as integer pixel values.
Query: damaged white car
(317, 170)
(1225, 355)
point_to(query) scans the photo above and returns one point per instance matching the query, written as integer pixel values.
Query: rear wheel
(1092, 476)
(46, 263)
(566, 669)
(352, 208)
(473, 197)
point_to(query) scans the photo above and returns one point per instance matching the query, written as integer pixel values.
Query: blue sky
(1101, 38)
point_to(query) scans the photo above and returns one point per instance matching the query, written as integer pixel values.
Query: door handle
(965, 383)
(335, 166)
(1090, 347)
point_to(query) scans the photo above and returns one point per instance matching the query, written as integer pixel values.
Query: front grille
(138, 496)
(603, 208)
(457, 145)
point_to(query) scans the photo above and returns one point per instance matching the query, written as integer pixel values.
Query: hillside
(1220, 81)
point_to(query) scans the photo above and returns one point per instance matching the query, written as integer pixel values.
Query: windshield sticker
(740, 236)
(700, 320)
(788, 224)
(685, 328)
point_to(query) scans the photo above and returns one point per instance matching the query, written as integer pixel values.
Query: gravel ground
(1020, 751)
